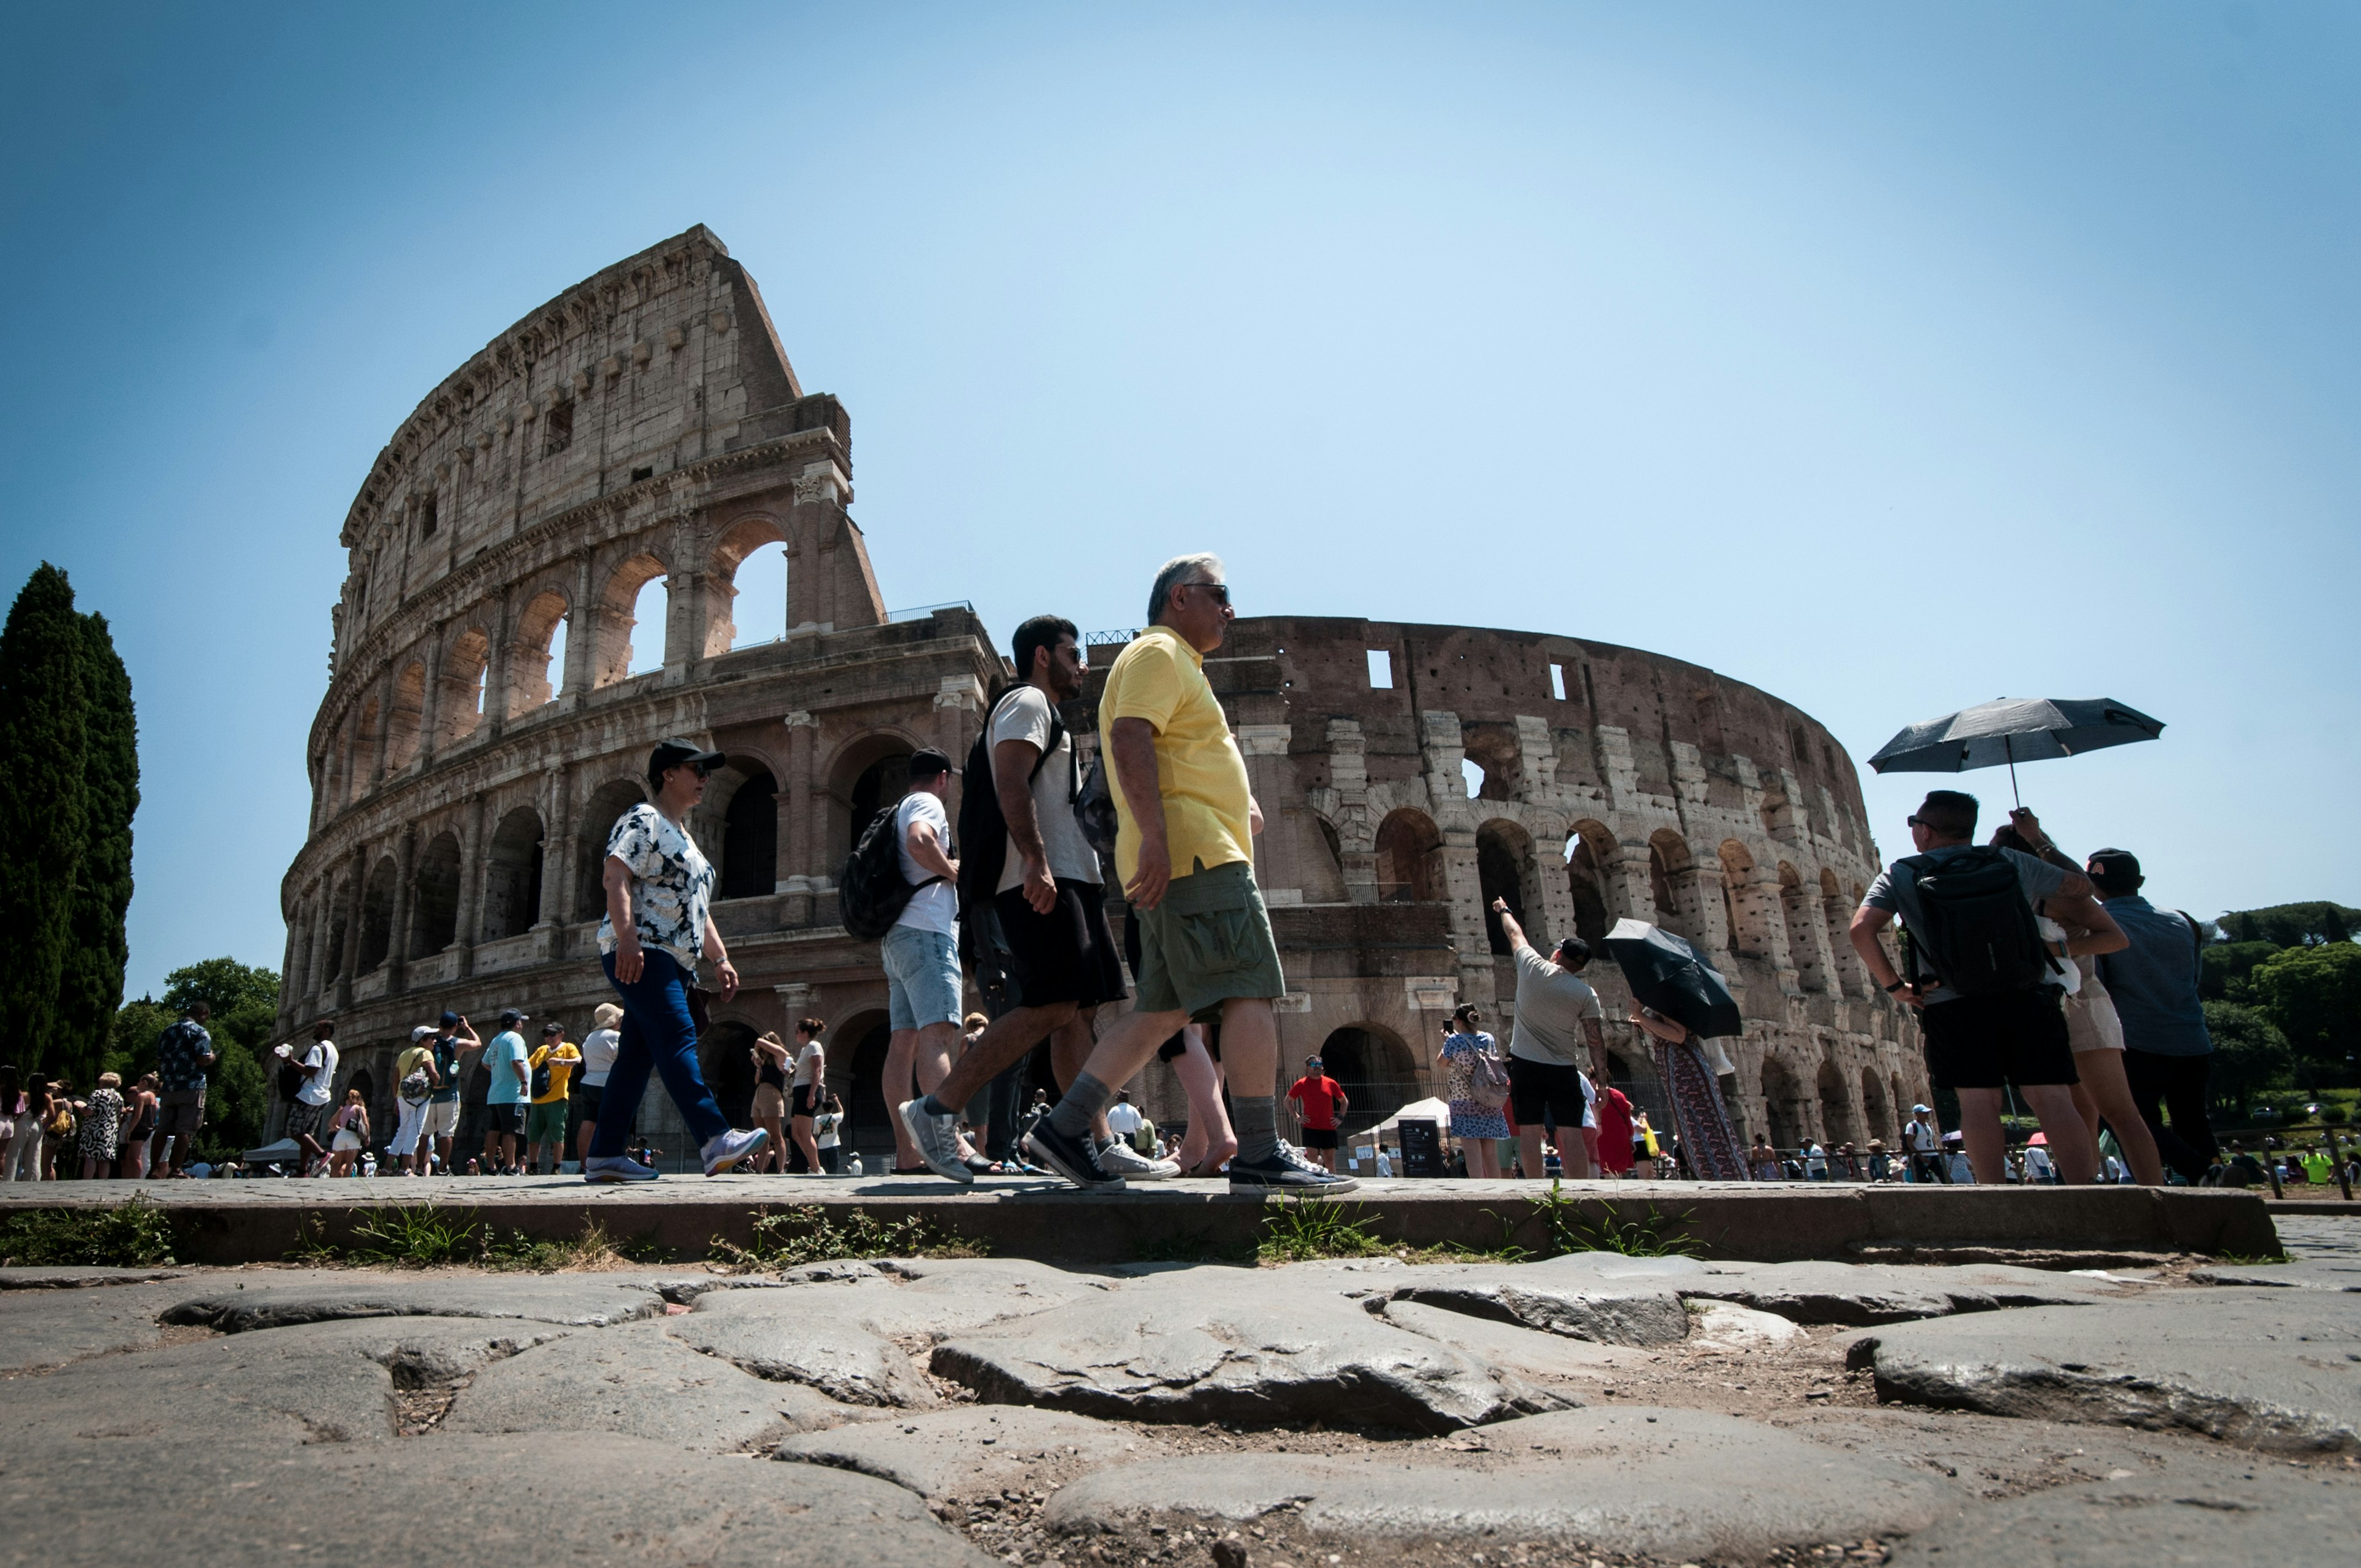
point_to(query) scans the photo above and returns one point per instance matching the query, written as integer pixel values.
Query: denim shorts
(922, 977)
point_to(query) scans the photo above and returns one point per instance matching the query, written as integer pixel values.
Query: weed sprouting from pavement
(133, 1235)
(1298, 1229)
(414, 1236)
(806, 1233)
(426, 1236)
(1653, 1234)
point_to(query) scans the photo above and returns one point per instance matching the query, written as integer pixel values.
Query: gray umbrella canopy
(2013, 730)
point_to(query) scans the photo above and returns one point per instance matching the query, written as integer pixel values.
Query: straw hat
(605, 1014)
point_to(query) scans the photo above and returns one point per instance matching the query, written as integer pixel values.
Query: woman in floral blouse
(102, 1118)
(658, 925)
(1476, 1126)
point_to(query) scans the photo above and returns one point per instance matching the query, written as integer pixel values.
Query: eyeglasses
(1916, 822)
(1221, 591)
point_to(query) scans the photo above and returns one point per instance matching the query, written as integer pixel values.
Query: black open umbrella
(1672, 976)
(2012, 730)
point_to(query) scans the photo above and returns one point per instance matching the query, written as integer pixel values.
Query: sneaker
(616, 1167)
(724, 1150)
(937, 1138)
(1119, 1158)
(1287, 1171)
(1072, 1158)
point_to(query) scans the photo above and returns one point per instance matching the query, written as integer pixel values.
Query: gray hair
(1171, 576)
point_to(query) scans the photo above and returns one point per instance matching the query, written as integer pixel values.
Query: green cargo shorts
(1209, 940)
(545, 1124)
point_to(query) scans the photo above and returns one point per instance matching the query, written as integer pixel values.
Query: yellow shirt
(1161, 679)
(562, 1063)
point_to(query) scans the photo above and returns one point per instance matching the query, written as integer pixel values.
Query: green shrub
(135, 1234)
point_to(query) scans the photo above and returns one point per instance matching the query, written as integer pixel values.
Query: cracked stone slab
(603, 1499)
(1866, 1294)
(2279, 1370)
(814, 1335)
(58, 1276)
(1576, 1303)
(1685, 1485)
(1527, 1353)
(50, 1328)
(1725, 1326)
(2304, 1274)
(965, 1450)
(2266, 1514)
(575, 1300)
(1235, 1345)
(639, 1381)
(945, 1295)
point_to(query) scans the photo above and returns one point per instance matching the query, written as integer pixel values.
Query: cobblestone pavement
(2321, 1236)
(1589, 1408)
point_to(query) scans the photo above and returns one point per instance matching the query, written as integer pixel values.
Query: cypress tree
(92, 988)
(42, 743)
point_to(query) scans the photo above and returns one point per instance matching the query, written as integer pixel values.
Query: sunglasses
(1221, 591)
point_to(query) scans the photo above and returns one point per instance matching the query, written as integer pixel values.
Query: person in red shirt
(1317, 1101)
(1614, 1130)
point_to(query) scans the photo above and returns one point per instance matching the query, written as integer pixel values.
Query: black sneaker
(1287, 1172)
(1073, 1158)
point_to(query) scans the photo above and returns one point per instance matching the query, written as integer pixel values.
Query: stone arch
(528, 656)
(1901, 1103)
(435, 897)
(1798, 908)
(1782, 1105)
(1876, 1112)
(339, 901)
(1410, 858)
(512, 875)
(1589, 851)
(1376, 1069)
(1742, 901)
(750, 836)
(739, 541)
(1506, 869)
(866, 776)
(866, 1129)
(377, 915)
(1836, 1107)
(1668, 861)
(362, 770)
(405, 716)
(614, 648)
(607, 803)
(467, 669)
(723, 1057)
(1837, 914)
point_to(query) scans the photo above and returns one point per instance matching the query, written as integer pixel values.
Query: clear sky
(1891, 358)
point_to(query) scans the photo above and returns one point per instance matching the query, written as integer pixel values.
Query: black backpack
(982, 830)
(291, 1074)
(541, 1081)
(1978, 935)
(871, 891)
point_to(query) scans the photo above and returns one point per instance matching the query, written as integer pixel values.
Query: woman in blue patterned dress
(1475, 1124)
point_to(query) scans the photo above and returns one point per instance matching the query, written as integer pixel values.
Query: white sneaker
(937, 1142)
(1119, 1158)
(616, 1167)
(726, 1149)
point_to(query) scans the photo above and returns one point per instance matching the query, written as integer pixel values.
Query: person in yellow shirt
(544, 1118)
(1185, 824)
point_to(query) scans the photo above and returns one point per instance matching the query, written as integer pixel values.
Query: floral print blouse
(671, 886)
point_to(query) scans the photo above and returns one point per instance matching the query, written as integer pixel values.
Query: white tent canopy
(1436, 1110)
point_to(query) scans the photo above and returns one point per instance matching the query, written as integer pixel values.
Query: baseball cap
(1922, 1109)
(514, 1015)
(449, 1018)
(2115, 864)
(553, 1027)
(676, 753)
(423, 1031)
(925, 763)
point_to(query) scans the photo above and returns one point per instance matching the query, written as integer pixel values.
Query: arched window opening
(405, 717)
(1504, 869)
(1409, 859)
(1742, 901)
(512, 888)
(1667, 857)
(749, 838)
(554, 668)
(1852, 978)
(1836, 1109)
(1471, 774)
(435, 901)
(726, 1056)
(1877, 1118)
(467, 666)
(1781, 1104)
(536, 666)
(868, 1132)
(651, 609)
(376, 916)
(879, 789)
(607, 804)
(758, 611)
(1375, 1069)
(1586, 880)
(1800, 910)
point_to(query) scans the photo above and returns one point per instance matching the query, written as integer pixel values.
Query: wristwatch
(1896, 986)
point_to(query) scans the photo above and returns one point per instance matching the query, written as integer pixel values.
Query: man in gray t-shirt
(1558, 1023)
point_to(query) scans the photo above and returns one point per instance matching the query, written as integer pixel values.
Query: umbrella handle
(2008, 744)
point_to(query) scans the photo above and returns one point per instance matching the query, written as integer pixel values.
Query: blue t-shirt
(502, 1056)
(2153, 980)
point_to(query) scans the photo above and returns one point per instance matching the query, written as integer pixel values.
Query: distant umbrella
(1669, 975)
(2012, 730)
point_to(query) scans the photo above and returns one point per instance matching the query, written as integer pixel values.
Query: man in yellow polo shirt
(544, 1119)
(1186, 819)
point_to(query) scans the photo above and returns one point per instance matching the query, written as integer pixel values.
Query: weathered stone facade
(646, 424)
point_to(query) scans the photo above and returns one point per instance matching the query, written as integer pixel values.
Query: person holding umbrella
(1685, 1005)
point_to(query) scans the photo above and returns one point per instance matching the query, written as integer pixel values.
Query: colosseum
(545, 578)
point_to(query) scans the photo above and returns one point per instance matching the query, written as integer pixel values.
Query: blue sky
(1889, 358)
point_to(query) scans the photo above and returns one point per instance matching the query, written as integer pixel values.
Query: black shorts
(1982, 1042)
(506, 1118)
(1067, 955)
(587, 1099)
(1319, 1137)
(802, 1105)
(1539, 1089)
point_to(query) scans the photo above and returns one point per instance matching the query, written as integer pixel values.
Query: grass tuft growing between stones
(426, 1236)
(809, 1233)
(135, 1234)
(1300, 1230)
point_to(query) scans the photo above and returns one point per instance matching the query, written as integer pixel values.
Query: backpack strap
(2196, 936)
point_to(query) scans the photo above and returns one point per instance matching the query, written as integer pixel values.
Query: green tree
(2250, 1054)
(91, 988)
(2223, 968)
(42, 742)
(2313, 995)
(131, 1040)
(223, 984)
(2292, 924)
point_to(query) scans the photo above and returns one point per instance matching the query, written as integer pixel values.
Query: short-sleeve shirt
(934, 907)
(500, 1058)
(410, 1061)
(321, 1060)
(1123, 1118)
(672, 885)
(824, 1126)
(1199, 770)
(807, 1060)
(1025, 715)
(1551, 1003)
(562, 1059)
(2153, 980)
(599, 1048)
(180, 1051)
(1895, 891)
(1319, 1096)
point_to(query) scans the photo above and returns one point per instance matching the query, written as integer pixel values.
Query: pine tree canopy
(92, 986)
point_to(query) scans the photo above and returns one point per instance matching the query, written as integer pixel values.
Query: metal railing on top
(920, 612)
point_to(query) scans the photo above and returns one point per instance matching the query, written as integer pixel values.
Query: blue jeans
(657, 1034)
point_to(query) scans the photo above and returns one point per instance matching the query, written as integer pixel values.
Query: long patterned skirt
(1713, 1150)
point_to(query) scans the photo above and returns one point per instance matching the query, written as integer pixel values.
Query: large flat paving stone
(1867, 1294)
(1233, 1345)
(966, 1450)
(599, 1499)
(1527, 1353)
(49, 1328)
(640, 1381)
(2279, 1370)
(812, 1335)
(2270, 1514)
(1576, 1303)
(2302, 1273)
(583, 1300)
(60, 1277)
(1684, 1485)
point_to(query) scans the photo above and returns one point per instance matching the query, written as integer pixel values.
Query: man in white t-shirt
(1923, 1139)
(309, 1113)
(921, 952)
(1123, 1116)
